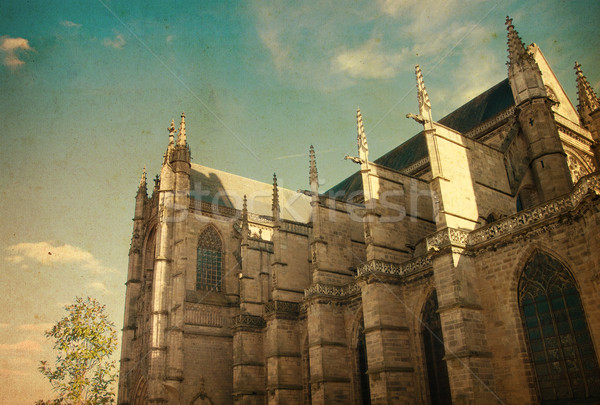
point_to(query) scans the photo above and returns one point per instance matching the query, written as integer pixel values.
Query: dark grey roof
(483, 107)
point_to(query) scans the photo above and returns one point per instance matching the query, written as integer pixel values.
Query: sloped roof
(228, 190)
(478, 110)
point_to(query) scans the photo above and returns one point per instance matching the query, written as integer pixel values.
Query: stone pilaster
(330, 368)
(248, 360)
(466, 351)
(282, 353)
(389, 348)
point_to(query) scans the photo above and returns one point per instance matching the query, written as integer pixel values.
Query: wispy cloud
(48, 254)
(117, 42)
(370, 61)
(169, 39)
(70, 24)
(99, 286)
(12, 49)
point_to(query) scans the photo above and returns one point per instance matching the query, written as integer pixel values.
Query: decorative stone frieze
(446, 237)
(535, 215)
(332, 290)
(202, 315)
(247, 320)
(282, 307)
(410, 267)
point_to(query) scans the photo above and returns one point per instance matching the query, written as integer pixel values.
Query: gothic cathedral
(461, 267)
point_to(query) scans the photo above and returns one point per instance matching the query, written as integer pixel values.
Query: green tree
(85, 339)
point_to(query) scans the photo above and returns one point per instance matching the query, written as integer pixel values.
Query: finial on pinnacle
(275, 205)
(588, 100)
(171, 130)
(363, 146)
(181, 139)
(313, 174)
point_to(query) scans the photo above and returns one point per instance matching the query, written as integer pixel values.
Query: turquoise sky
(89, 87)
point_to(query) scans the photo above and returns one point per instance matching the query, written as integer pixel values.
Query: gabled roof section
(228, 190)
(478, 110)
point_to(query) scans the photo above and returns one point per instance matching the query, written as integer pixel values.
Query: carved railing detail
(523, 219)
(412, 266)
(202, 315)
(332, 290)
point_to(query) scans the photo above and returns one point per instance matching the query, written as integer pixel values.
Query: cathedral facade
(461, 267)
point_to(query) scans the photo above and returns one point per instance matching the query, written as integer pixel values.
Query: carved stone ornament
(410, 267)
(552, 208)
(282, 307)
(447, 237)
(249, 320)
(332, 290)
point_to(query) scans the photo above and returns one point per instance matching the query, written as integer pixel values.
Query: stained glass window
(564, 359)
(210, 261)
(437, 370)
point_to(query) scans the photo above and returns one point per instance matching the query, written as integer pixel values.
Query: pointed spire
(363, 147)
(171, 130)
(143, 179)
(516, 47)
(142, 189)
(181, 139)
(313, 174)
(422, 95)
(275, 206)
(588, 100)
(245, 227)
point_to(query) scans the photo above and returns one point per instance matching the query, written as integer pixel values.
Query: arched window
(433, 342)
(361, 349)
(209, 264)
(563, 356)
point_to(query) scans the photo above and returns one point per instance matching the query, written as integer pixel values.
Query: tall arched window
(363, 365)
(433, 342)
(210, 260)
(563, 356)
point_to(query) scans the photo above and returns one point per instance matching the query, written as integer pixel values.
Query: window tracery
(561, 349)
(209, 262)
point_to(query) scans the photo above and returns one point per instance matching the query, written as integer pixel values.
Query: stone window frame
(544, 274)
(210, 253)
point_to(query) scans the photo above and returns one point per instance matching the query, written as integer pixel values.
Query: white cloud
(46, 254)
(99, 286)
(70, 24)
(35, 327)
(12, 47)
(25, 346)
(369, 61)
(118, 42)
(279, 53)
